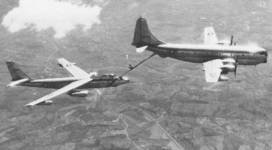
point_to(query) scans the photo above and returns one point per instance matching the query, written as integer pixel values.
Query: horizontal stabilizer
(17, 82)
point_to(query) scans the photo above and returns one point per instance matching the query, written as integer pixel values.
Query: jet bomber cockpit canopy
(113, 76)
(109, 76)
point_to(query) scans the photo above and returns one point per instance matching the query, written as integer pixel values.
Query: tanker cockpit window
(263, 53)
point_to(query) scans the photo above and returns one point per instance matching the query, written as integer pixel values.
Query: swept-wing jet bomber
(218, 57)
(74, 86)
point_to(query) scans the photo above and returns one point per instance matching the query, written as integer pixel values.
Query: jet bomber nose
(124, 79)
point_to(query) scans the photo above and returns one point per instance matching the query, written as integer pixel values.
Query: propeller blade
(98, 92)
(231, 40)
(235, 69)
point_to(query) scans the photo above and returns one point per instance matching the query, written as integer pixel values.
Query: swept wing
(72, 68)
(60, 91)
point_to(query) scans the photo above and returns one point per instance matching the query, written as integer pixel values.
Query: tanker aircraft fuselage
(218, 57)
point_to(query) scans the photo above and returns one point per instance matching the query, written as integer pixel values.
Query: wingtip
(29, 105)
(10, 62)
(61, 58)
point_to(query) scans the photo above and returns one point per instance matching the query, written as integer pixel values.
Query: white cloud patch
(133, 5)
(61, 16)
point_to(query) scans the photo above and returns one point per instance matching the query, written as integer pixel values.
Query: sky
(61, 16)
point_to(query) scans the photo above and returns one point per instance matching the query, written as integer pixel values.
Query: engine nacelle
(228, 61)
(77, 93)
(48, 102)
(60, 65)
(228, 68)
(229, 65)
(223, 78)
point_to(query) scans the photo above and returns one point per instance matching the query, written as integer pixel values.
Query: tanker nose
(265, 53)
(266, 57)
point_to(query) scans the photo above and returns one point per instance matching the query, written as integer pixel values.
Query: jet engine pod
(223, 78)
(228, 67)
(78, 93)
(47, 102)
(60, 65)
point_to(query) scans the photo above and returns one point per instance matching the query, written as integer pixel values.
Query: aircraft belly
(240, 60)
(248, 61)
(95, 84)
(195, 57)
(201, 56)
(50, 85)
(57, 85)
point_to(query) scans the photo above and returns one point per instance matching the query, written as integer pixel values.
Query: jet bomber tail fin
(142, 35)
(15, 72)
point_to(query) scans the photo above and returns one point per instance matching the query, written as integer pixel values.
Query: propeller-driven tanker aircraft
(218, 57)
(74, 86)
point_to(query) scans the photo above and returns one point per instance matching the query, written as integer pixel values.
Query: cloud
(61, 16)
(133, 5)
